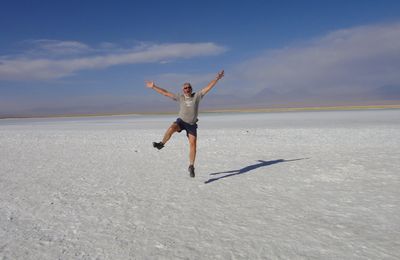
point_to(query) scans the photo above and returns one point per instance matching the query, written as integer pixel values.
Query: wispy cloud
(50, 47)
(54, 60)
(348, 62)
(177, 79)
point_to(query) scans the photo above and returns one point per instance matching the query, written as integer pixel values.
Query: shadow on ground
(249, 168)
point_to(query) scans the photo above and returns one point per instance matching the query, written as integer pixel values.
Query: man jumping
(189, 108)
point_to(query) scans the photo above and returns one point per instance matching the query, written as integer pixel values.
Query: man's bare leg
(192, 153)
(170, 131)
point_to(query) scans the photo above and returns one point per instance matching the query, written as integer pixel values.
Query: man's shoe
(159, 145)
(191, 171)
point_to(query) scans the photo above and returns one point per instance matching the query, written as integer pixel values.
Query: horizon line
(229, 110)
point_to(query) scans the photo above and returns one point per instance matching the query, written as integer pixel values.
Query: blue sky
(93, 56)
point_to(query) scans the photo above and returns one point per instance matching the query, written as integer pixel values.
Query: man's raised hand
(150, 84)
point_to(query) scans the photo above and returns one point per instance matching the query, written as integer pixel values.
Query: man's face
(187, 89)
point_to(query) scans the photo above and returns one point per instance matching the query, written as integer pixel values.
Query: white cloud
(50, 49)
(343, 62)
(61, 47)
(24, 67)
(176, 80)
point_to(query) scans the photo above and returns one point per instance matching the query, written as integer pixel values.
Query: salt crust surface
(303, 185)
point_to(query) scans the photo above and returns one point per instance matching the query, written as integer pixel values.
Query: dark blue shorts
(190, 129)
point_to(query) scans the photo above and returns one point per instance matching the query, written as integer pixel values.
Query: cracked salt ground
(305, 185)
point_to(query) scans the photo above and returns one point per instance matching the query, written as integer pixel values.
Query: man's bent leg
(170, 131)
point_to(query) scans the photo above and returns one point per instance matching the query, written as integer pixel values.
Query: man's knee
(175, 127)
(192, 140)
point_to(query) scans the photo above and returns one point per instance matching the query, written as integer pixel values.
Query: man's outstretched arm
(150, 84)
(212, 83)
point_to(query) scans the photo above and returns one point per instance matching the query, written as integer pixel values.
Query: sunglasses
(187, 87)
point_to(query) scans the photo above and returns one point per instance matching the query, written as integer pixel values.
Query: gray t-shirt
(189, 107)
